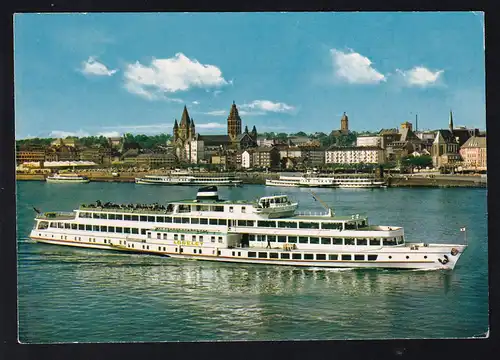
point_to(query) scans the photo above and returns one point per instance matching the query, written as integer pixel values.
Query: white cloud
(355, 68)
(216, 112)
(196, 102)
(268, 106)
(171, 75)
(420, 76)
(93, 67)
(64, 134)
(211, 125)
(109, 134)
(254, 113)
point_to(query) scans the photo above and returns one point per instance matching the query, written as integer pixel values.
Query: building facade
(266, 158)
(354, 155)
(445, 149)
(366, 140)
(473, 153)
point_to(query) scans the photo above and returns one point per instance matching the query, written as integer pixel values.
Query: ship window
(349, 241)
(212, 238)
(43, 225)
(222, 222)
(126, 230)
(331, 225)
(303, 239)
(81, 227)
(231, 210)
(111, 216)
(326, 241)
(111, 229)
(67, 226)
(262, 254)
(143, 231)
(359, 257)
(200, 238)
(251, 237)
(271, 238)
(407, 257)
(239, 253)
(314, 240)
(168, 219)
(250, 223)
(182, 236)
(218, 208)
(135, 231)
(333, 257)
(346, 257)
(95, 215)
(53, 225)
(399, 240)
(177, 220)
(273, 255)
(104, 228)
(213, 221)
(243, 209)
(265, 223)
(220, 239)
(350, 226)
(287, 224)
(193, 237)
(127, 217)
(133, 245)
(95, 228)
(242, 223)
(143, 218)
(296, 256)
(285, 255)
(152, 219)
(375, 242)
(119, 217)
(60, 225)
(203, 221)
(292, 239)
(166, 250)
(282, 239)
(147, 247)
(389, 241)
(105, 241)
(82, 215)
(372, 257)
(88, 227)
(176, 236)
(74, 226)
(195, 221)
(261, 237)
(184, 208)
(308, 225)
(135, 218)
(320, 256)
(164, 236)
(361, 241)
(185, 220)
(308, 256)
(252, 254)
(119, 229)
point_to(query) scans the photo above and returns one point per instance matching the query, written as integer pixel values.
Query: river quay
(414, 180)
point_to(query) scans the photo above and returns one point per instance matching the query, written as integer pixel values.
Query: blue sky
(90, 74)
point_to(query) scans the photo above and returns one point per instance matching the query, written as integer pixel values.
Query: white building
(290, 152)
(368, 141)
(195, 150)
(355, 155)
(246, 159)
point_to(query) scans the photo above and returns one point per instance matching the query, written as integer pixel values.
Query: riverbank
(260, 178)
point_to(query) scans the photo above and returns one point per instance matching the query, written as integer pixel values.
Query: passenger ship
(67, 178)
(188, 179)
(341, 181)
(265, 231)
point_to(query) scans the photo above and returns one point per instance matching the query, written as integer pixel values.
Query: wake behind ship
(264, 231)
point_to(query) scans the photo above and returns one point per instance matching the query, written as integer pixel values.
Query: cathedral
(192, 147)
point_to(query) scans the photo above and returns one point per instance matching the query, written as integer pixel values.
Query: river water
(81, 295)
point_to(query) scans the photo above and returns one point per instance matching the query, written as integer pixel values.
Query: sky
(109, 74)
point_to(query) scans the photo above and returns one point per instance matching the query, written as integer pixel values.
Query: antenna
(330, 211)
(416, 122)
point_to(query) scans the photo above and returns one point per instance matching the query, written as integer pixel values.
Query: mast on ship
(330, 210)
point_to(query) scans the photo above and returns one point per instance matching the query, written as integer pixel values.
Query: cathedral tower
(344, 123)
(233, 123)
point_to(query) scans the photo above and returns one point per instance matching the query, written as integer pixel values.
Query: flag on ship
(462, 229)
(36, 210)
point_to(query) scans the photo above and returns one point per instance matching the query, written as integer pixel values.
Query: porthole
(425, 256)
(407, 257)
(390, 257)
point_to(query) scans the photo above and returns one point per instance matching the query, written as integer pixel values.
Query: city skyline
(75, 74)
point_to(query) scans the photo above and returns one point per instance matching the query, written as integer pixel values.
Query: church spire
(451, 122)
(175, 124)
(185, 118)
(246, 129)
(233, 122)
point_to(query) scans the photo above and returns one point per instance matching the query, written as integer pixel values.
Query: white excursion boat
(337, 180)
(67, 178)
(265, 231)
(188, 179)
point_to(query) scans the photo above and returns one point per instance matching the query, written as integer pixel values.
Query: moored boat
(188, 179)
(67, 179)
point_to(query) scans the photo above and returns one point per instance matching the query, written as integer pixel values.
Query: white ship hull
(187, 181)
(326, 182)
(67, 181)
(398, 258)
